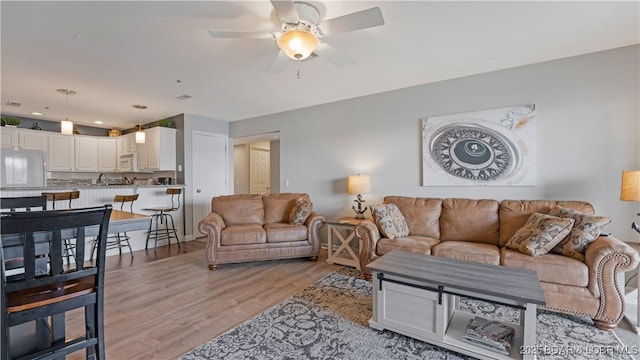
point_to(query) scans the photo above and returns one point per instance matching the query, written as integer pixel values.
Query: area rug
(328, 320)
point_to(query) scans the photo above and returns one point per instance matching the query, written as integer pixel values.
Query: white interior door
(259, 166)
(209, 173)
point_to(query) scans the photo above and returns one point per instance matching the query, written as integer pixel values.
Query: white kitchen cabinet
(86, 153)
(61, 152)
(107, 154)
(33, 139)
(10, 137)
(128, 144)
(158, 153)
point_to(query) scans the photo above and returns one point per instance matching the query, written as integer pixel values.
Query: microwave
(128, 163)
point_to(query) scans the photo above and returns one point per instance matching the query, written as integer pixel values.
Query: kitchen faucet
(99, 181)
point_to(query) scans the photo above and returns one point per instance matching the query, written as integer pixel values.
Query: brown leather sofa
(251, 227)
(477, 230)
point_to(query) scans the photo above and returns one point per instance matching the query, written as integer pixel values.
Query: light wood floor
(165, 303)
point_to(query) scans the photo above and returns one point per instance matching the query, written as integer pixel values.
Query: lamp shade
(630, 188)
(140, 137)
(297, 44)
(359, 184)
(66, 127)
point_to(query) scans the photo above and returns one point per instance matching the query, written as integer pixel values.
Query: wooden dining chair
(119, 240)
(28, 296)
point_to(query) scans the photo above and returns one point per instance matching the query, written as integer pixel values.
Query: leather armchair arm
(369, 234)
(212, 225)
(313, 224)
(605, 257)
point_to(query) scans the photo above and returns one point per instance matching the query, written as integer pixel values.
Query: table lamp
(359, 184)
(630, 190)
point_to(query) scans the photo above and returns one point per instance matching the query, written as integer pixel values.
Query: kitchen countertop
(93, 186)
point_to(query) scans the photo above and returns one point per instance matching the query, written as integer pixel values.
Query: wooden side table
(348, 245)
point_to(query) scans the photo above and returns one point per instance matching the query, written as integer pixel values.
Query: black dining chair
(64, 196)
(25, 203)
(29, 295)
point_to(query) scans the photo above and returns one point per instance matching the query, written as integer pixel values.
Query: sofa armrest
(313, 224)
(367, 231)
(605, 257)
(212, 225)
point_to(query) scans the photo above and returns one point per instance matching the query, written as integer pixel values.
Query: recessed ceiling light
(36, 113)
(184, 97)
(97, 122)
(13, 103)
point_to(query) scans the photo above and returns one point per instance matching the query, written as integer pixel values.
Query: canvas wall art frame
(494, 147)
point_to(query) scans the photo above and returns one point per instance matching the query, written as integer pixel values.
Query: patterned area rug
(329, 320)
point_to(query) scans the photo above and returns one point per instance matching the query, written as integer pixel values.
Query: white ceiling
(116, 54)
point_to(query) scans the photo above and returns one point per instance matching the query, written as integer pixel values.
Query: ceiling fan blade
(222, 34)
(333, 55)
(279, 63)
(355, 21)
(286, 10)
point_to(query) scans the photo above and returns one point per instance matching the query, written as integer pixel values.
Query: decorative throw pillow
(586, 230)
(300, 212)
(390, 221)
(540, 234)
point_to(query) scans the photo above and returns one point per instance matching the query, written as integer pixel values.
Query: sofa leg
(313, 258)
(604, 325)
(213, 267)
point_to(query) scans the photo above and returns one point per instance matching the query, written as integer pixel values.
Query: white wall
(241, 169)
(587, 132)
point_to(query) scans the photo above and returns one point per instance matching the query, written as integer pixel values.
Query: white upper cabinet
(86, 156)
(10, 137)
(25, 139)
(159, 150)
(61, 152)
(128, 144)
(34, 140)
(107, 154)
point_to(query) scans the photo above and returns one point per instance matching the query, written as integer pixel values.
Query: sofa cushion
(540, 234)
(469, 220)
(414, 244)
(390, 221)
(277, 207)
(300, 211)
(550, 267)
(585, 230)
(422, 214)
(468, 251)
(239, 209)
(284, 232)
(514, 213)
(243, 235)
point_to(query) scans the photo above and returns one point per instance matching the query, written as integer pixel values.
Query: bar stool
(162, 216)
(69, 246)
(118, 240)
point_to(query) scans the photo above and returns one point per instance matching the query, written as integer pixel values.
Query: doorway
(256, 164)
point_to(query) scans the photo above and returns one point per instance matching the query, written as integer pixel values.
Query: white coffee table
(417, 295)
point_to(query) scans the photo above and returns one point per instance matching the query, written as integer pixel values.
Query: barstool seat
(162, 216)
(69, 245)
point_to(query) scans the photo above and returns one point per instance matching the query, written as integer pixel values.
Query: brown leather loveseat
(478, 230)
(250, 227)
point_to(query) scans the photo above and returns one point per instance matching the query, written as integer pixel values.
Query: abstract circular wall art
(484, 148)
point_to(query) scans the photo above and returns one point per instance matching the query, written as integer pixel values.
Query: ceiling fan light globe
(298, 44)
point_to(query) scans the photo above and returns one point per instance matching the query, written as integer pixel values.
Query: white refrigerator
(22, 168)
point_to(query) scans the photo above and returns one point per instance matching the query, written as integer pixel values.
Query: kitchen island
(97, 195)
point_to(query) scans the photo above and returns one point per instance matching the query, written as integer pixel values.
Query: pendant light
(140, 135)
(66, 126)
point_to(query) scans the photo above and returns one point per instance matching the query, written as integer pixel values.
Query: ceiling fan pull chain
(298, 73)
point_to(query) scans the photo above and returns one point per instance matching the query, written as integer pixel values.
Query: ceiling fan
(301, 30)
